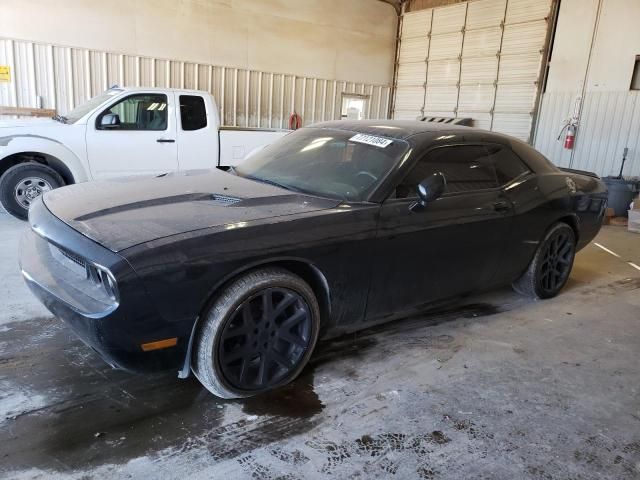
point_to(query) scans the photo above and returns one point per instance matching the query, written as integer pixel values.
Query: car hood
(124, 212)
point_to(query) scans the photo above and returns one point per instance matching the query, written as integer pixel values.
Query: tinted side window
(141, 112)
(465, 169)
(508, 165)
(193, 114)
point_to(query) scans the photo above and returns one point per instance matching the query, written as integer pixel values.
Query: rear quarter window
(507, 164)
(193, 113)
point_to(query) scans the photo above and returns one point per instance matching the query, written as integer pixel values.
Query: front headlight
(94, 280)
(103, 278)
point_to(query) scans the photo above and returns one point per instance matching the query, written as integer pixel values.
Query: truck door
(197, 132)
(139, 139)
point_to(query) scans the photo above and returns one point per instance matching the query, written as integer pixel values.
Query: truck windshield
(330, 163)
(81, 110)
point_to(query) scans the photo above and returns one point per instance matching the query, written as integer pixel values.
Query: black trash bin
(621, 194)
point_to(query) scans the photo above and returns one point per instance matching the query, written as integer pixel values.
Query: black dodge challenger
(335, 227)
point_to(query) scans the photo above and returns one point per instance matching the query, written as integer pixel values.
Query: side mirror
(429, 189)
(109, 121)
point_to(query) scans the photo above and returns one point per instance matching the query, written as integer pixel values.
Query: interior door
(450, 247)
(142, 142)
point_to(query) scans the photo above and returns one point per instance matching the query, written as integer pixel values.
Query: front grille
(72, 257)
(69, 260)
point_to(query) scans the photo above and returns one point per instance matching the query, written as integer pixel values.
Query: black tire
(236, 326)
(551, 265)
(34, 176)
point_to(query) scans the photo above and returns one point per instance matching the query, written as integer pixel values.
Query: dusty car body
(130, 264)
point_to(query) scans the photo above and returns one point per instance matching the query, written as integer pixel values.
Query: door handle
(501, 206)
(165, 140)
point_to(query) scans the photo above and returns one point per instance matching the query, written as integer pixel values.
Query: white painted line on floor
(634, 265)
(606, 249)
(631, 264)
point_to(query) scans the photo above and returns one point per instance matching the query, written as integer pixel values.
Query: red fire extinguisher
(570, 138)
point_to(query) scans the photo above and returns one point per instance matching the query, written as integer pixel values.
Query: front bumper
(116, 330)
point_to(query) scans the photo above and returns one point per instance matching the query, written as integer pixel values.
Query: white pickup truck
(123, 131)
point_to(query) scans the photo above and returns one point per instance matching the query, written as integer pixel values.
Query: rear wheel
(258, 334)
(23, 183)
(549, 270)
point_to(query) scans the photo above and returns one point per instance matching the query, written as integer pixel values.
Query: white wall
(610, 115)
(616, 45)
(350, 40)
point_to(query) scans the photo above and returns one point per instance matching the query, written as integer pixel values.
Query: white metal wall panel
(479, 70)
(524, 37)
(443, 72)
(483, 60)
(412, 67)
(414, 50)
(449, 19)
(514, 124)
(476, 99)
(520, 11)
(515, 98)
(555, 108)
(406, 99)
(441, 98)
(416, 24)
(51, 76)
(482, 43)
(412, 73)
(485, 14)
(520, 68)
(610, 121)
(445, 46)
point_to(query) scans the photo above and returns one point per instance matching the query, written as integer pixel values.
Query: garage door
(478, 59)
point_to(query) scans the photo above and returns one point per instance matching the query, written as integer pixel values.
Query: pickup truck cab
(121, 132)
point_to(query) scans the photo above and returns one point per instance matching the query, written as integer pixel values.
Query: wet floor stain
(297, 400)
(93, 415)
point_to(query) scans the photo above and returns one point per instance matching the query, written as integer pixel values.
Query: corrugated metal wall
(609, 122)
(58, 77)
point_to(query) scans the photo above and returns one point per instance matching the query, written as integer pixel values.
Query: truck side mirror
(110, 121)
(429, 189)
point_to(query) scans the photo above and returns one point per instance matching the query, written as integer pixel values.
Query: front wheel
(258, 334)
(23, 183)
(551, 265)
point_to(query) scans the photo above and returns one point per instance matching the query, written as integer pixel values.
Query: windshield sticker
(372, 140)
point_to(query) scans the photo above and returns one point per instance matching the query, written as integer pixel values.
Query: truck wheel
(551, 265)
(25, 182)
(258, 334)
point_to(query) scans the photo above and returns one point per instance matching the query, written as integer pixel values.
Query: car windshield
(329, 163)
(81, 110)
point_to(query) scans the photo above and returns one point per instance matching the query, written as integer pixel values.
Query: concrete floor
(499, 387)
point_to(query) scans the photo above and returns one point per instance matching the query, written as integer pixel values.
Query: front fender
(55, 150)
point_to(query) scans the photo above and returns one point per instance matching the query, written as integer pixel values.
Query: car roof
(424, 135)
(400, 129)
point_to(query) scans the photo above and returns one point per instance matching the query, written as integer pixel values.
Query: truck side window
(140, 112)
(193, 114)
